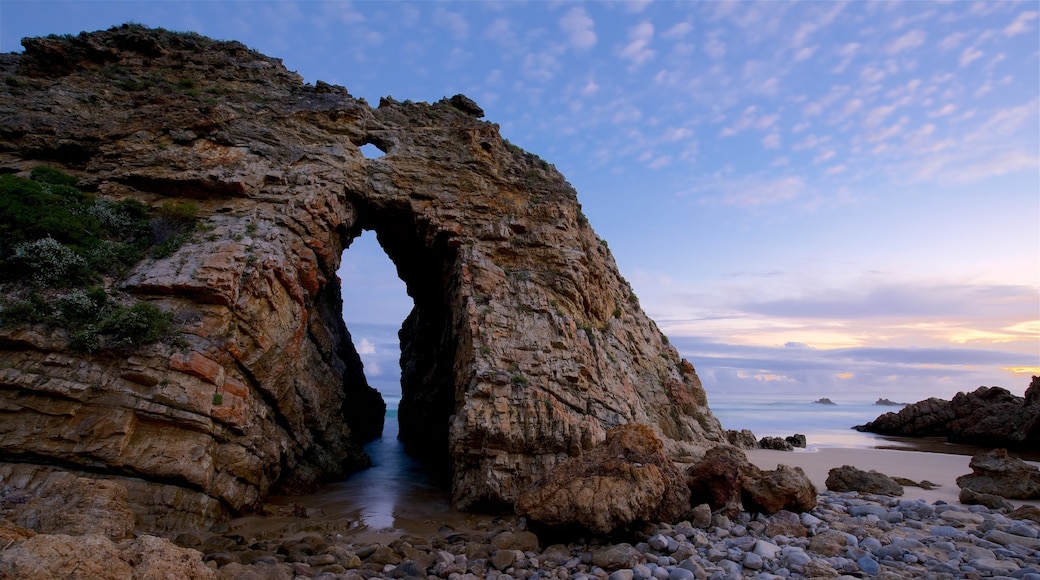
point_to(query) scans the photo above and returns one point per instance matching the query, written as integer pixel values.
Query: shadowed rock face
(524, 347)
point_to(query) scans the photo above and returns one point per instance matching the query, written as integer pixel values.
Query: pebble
(849, 534)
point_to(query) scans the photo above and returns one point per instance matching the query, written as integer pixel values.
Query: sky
(810, 199)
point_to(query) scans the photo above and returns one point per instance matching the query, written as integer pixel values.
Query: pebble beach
(922, 534)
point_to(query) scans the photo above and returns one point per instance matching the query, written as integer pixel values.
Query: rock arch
(524, 347)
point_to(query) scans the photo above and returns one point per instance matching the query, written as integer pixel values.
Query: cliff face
(525, 344)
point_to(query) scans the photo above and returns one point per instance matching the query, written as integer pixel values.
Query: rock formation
(623, 480)
(727, 481)
(524, 347)
(996, 473)
(988, 416)
(849, 478)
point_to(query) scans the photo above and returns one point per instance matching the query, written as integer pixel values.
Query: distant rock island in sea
(824, 401)
(885, 402)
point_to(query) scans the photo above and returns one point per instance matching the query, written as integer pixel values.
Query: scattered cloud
(714, 46)
(1021, 24)
(970, 55)
(579, 28)
(678, 30)
(637, 50)
(454, 22)
(910, 40)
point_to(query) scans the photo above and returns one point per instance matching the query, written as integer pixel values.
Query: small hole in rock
(370, 151)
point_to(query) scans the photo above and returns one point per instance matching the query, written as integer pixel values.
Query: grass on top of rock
(58, 245)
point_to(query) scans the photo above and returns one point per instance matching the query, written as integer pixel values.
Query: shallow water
(392, 497)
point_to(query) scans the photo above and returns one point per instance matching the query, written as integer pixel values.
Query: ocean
(822, 425)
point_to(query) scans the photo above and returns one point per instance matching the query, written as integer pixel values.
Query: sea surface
(823, 425)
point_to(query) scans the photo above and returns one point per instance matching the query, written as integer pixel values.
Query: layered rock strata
(524, 347)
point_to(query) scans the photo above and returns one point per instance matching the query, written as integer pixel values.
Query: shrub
(35, 309)
(172, 227)
(137, 325)
(30, 210)
(44, 174)
(48, 262)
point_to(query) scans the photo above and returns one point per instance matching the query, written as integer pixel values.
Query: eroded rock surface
(996, 473)
(625, 479)
(524, 347)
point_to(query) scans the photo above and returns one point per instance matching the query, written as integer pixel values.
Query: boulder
(796, 440)
(626, 479)
(849, 478)
(744, 439)
(785, 488)
(1025, 512)
(717, 479)
(725, 480)
(993, 502)
(996, 473)
(988, 416)
(775, 443)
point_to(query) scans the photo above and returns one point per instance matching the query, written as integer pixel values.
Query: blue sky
(813, 198)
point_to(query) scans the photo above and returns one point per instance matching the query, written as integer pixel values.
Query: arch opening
(395, 313)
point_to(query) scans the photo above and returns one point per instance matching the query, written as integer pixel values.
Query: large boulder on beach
(849, 478)
(997, 473)
(717, 479)
(784, 488)
(987, 416)
(728, 482)
(625, 479)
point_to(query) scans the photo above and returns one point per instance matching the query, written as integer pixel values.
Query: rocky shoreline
(987, 416)
(846, 535)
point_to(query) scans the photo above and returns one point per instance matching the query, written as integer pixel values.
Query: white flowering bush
(51, 263)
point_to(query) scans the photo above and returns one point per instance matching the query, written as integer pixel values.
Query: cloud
(910, 40)
(970, 55)
(901, 301)
(953, 40)
(455, 22)
(1020, 24)
(752, 192)
(340, 11)
(366, 347)
(713, 45)
(677, 31)
(578, 26)
(637, 50)
(636, 5)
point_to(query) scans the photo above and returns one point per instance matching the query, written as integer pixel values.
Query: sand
(940, 468)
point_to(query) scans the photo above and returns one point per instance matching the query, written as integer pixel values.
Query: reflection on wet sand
(392, 498)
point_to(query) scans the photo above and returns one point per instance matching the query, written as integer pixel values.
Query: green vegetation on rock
(57, 246)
